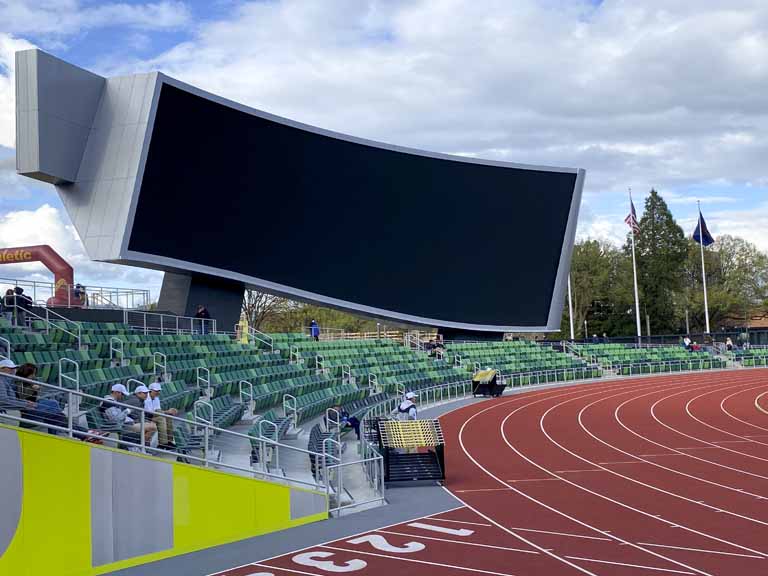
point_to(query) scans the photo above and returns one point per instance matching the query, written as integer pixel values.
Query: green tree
(662, 252)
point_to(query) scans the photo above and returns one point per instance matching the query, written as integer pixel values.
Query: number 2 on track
(380, 543)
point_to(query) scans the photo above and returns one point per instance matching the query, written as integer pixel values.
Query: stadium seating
(750, 358)
(521, 362)
(628, 359)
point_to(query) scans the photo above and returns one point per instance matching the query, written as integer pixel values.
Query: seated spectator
(729, 344)
(122, 416)
(164, 425)
(27, 390)
(687, 343)
(346, 421)
(695, 347)
(45, 411)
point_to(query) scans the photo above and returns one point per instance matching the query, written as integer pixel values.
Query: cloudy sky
(671, 94)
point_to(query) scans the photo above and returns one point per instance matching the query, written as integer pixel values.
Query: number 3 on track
(309, 559)
(380, 543)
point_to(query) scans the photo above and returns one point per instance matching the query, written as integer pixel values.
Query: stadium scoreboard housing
(156, 173)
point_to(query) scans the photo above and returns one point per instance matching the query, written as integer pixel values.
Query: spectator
(46, 411)
(27, 390)
(164, 425)
(407, 408)
(81, 297)
(729, 344)
(687, 343)
(314, 329)
(595, 339)
(122, 416)
(346, 421)
(695, 347)
(7, 303)
(23, 303)
(204, 316)
(605, 338)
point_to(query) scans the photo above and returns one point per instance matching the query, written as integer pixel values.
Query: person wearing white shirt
(407, 408)
(122, 416)
(164, 425)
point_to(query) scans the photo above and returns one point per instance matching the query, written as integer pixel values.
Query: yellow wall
(54, 532)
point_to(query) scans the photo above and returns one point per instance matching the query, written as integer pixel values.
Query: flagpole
(634, 272)
(703, 269)
(570, 308)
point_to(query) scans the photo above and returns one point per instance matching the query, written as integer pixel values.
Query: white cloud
(61, 18)
(47, 225)
(642, 94)
(8, 46)
(646, 94)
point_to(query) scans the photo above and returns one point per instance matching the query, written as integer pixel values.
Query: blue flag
(701, 234)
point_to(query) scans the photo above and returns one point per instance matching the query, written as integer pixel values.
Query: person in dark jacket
(204, 316)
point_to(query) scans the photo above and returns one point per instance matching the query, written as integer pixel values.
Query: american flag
(631, 220)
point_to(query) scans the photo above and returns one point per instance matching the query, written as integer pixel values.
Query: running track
(655, 476)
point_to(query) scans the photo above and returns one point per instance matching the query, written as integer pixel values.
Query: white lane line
(623, 462)
(733, 441)
(420, 537)
(533, 479)
(482, 490)
(539, 502)
(702, 550)
(460, 521)
(561, 534)
(662, 454)
(401, 559)
(617, 417)
(572, 471)
(291, 570)
(446, 511)
(651, 486)
(597, 494)
(285, 554)
(628, 565)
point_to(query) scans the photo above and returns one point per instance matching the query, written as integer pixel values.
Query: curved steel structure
(160, 174)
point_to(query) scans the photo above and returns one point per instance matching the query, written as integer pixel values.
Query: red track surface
(654, 476)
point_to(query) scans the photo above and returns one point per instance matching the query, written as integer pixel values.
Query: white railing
(84, 296)
(694, 364)
(50, 319)
(159, 323)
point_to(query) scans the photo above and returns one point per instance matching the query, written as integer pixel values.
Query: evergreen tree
(662, 252)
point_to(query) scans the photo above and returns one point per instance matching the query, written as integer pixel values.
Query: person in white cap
(122, 416)
(407, 408)
(164, 425)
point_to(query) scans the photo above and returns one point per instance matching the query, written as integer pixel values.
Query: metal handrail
(248, 393)
(7, 347)
(262, 337)
(198, 416)
(135, 381)
(206, 380)
(175, 328)
(116, 345)
(159, 360)
(52, 323)
(63, 376)
(290, 404)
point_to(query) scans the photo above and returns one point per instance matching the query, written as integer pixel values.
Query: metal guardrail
(159, 323)
(90, 296)
(639, 368)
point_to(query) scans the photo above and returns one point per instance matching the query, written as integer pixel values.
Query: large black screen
(447, 240)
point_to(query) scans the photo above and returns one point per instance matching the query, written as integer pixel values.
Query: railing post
(141, 433)
(70, 414)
